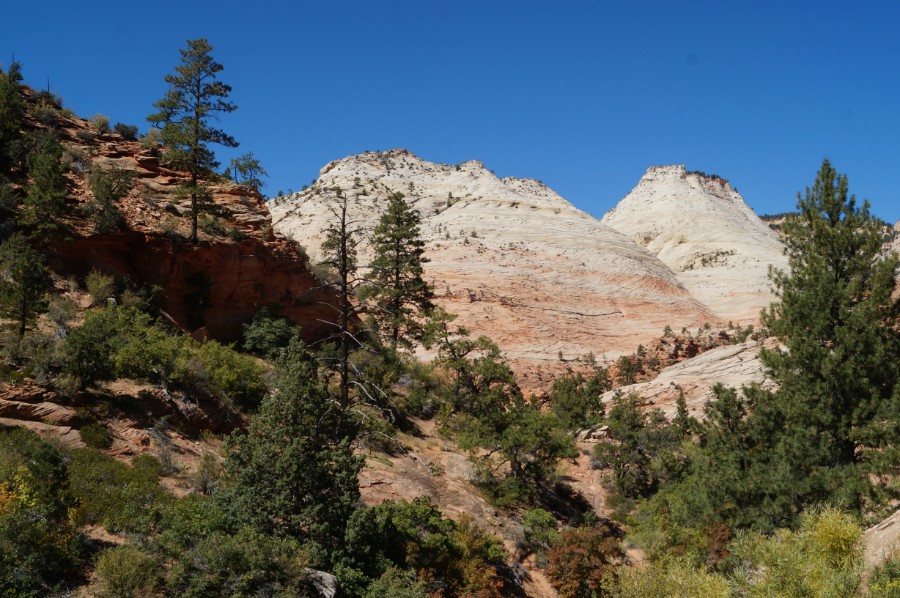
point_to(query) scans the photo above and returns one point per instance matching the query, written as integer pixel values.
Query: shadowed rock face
(214, 286)
(700, 227)
(515, 260)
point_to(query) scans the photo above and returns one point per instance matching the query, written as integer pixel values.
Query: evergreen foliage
(24, 281)
(839, 374)
(45, 199)
(195, 98)
(576, 400)
(266, 334)
(247, 170)
(12, 113)
(487, 411)
(294, 474)
(40, 546)
(108, 187)
(398, 290)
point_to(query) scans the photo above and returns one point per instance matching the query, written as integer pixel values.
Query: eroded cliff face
(702, 229)
(515, 260)
(216, 287)
(211, 288)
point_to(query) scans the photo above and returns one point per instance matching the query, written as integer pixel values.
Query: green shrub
(212, 225)
(61, 310)
(122, 498)
(246, 563)
(539, 528)
(101, 287)
(128, 132)
(101, 122)
(96, 436)
(233, 377)
(267, 333)
(885, 579)
(125, 572)
(40, 547)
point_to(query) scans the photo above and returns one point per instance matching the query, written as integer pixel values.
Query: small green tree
(194, 99)
(45, 201)
(108, 187)
(576, 399)
(398, 290)
(24, 281)
(247, 170)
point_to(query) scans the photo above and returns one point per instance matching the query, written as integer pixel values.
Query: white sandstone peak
(700, 226)
(514, 259)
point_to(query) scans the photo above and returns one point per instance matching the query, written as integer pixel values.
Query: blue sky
(581, 95)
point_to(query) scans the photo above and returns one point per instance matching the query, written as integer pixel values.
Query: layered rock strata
(515, 260)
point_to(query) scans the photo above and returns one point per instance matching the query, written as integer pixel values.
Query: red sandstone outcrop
(238, 267)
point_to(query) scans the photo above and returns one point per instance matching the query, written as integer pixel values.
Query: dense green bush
(125, 572)
(576, 400)
(96, 436)
(124, 342)
(411, 546)
(246, 563)
(120, 497)
(128, 132)
(40, 545)
(267, 333)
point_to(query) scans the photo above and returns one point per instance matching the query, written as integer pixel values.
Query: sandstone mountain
(515, 260)
(702, 229)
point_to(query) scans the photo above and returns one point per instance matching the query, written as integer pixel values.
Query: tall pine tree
(398, 291)
(195, 98)
(838, 321)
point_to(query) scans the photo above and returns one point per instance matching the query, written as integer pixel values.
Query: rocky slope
(514, 259)
(734, 365)
(700, 227)
(238, 267)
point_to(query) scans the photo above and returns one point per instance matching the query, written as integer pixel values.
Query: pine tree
(294, 472)
(840, 372)
(45, 201)
(194, 99)
(399, 290)
(23, 281)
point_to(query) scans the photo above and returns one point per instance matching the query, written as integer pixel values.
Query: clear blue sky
(581, 95)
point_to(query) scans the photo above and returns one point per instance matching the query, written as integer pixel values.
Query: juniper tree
(398, 290)
(108, 187)
(194, 99)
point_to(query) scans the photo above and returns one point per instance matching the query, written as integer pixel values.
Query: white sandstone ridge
(731, 365)
(703, 230)
(515, 260)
